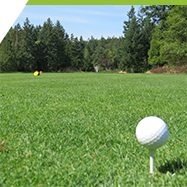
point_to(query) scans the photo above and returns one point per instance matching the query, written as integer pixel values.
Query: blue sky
(81, 20)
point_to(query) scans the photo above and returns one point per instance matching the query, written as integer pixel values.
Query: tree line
(155, 36)
(50, 48)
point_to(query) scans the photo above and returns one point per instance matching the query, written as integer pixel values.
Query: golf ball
(152, 132)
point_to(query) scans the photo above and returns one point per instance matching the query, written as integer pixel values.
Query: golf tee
(152, 153)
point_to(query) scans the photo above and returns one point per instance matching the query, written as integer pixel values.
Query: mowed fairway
(78, 129)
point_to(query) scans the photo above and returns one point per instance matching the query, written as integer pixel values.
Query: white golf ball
(152, 132)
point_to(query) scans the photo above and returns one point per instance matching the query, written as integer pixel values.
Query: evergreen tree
(81, 53)
(7, 54)
(146, 29)
(39, 48)
(59, 41)
(155, 45)
(99, 56)
(131, 15)
(48, 41)
(26, 52)
(174, 44)
(131, 45)
(88, 66)
(92, 44)
(157, 12)
(69, 60)
(75, 51)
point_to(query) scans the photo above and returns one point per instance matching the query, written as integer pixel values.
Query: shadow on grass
(173, 166)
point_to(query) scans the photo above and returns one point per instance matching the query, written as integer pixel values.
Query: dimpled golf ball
(152, 132)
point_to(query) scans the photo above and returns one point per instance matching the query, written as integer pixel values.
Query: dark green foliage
(88, 66)
(106, 53)
(169, 43)
(59, 41)
(156, 36)
(26, 52)
(155, 44)
(147, 29)
(136, 43)
(78, 53)
(48, 37)
(7, 54)
(131, 15)
(174, 45)
(99, 56)
(157, 12)
(68, 53)
(92, 44)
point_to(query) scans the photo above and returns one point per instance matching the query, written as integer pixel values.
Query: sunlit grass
(78, 129)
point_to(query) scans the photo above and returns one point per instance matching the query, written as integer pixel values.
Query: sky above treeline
(80, 20)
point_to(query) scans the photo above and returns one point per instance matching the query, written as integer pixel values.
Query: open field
(78, 129)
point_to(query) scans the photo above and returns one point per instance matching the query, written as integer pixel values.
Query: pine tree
(81, 53)
(157, 13)
(69, 52)
(59, 40)
(146, 31)
(7, 54)
(92, 44)
(26, 53)
(131, 44)
(130, 15)
(88, 66)
(99, 57)
(75, 51)
(48, 44)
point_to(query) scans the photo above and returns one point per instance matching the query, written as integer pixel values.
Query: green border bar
(106, 2)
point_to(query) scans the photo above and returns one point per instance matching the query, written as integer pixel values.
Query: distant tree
(38, 50)
(99, 56)
(155, 45)
(92, 44)
(69, 60)
(59, 40)
(131, 15)
(131, 44)
(174, 44)
(146, 31)
(7, 54)
(48, 39)
(157, 12)
(115, 47)
(88, 66)
(110, 59)
(76, 53)
(26, 52)
(81, 52)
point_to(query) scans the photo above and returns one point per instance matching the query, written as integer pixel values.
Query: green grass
(78, 129)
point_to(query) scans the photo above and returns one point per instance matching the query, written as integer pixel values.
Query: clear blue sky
(81, 20)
